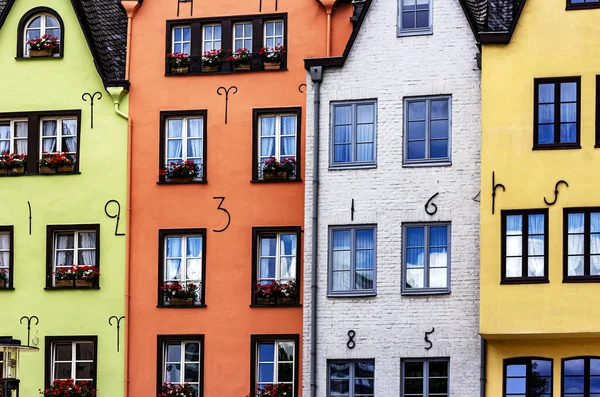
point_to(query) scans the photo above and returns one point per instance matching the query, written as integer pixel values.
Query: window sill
(574, 7)
(181, 307)
(558, 147)
(524, 281)
(192, 182)
(67, 288)
(26, 174)
(223, 72)
(352, 167)
(427, 164)
(276, 180)
(424, 292)
(582, 279)
(352, 295)
(7, 289)
(408, 33)
(597, 145)
(274, 306)
(37, 58)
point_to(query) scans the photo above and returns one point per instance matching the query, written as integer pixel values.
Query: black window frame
(351, 379)
(48, 359)
(21, 32)
(256, 233)
(160, 342)
(226, 22)
(524, 279)
(557, 81)
(586, 375)
(256, 338)
(586, 211)
(166, 115)
(581, 6)
(50, 232)
(527, 361)
(9, 284)
(597, 145)
(256, 114)
(425, 371)
(162, 234)
(34, 135)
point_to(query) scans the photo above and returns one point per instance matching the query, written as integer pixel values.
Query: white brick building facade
(390, 326)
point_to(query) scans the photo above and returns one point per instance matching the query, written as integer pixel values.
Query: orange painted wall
(227, 322)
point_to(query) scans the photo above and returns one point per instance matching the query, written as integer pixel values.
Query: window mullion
(586, 377)
(525, 246)
(425, 378)
(275, 363)
(426, 257)
(73, 361)
(278, 137)
(351, 380)
(586, 243)
(11, 136)
(184, 138)
(557, 113)
(352, 260)
(427, 124)
(75, 249)
(182, 357)
(183, 259)
(277, 258)
(354, 131)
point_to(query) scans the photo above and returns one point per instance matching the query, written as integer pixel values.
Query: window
(38, 22)
(6, 256)
(557, 113)
(528, 377)
(352, 259)
(72, 245)
(228, 33)
(581, 377)
(13, 136)
(59, 135)
(182, 261)
(582, 4)
(182, 40)
(277, 253)
(351, 378)
(425, 378)
(353, 130)
(427, 126)
(71, 357)
(183, 138)
(276, 134)
(212, 37)
(582, 244)
(274, 361)
(426, 258)
(415, 17)
(273, 34)
(524, 246)
(181, 359)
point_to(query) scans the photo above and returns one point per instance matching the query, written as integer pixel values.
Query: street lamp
(10, 350)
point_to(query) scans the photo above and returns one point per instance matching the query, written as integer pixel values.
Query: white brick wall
(390, 326)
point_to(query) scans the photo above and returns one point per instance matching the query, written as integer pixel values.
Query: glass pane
(192, 373)
(84, 351)
(266, 373)
(568, 133)
(536, 224)
(595, 366)
(339, 370)
(364, 259)
(341, 281)
(576, 223)
(173, 352)
(595, 222)
(413, 369)
(515, 385)
(364, 387)
(546, 134)
(568, 92)
(415, 278)
(267, 268)
(285, 351)
(416, 150)
(568, 112)
(364, 239)
(343, 114)
(66, 241)
(422, 19)
(439, 109)
(408, 20)
(575, 242)
(63, 352)
(516, 370)
(514, 224)
(416, 130)
(339, 388)
(575, 266)
(439, 129)
(341, 239)
(514, 245)
(343, 134)
(546, 113)
(173, 373)
(173, 269)
(416, 111)
(84, 371)
(87, 240)
(174, 128)
(413, 386)
(36, 23)
(62, 371)
(546, 93)
(364, 133)
(438, 257)
(415, 236)
(288, 244)
(438, 278)
(514, 267)
(364, 370)
(266, 352)
(438, 385)
(574, 367)
(364, 279)
(268, 246)
(341, 260)
(286, 372)
(438, 368)
(365, 114)
(535, 266)
(288, 268)
(192, 352)
(542, 367)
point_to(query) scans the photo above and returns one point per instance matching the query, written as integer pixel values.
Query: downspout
(483, 367)
(328, 5)
(316, 75)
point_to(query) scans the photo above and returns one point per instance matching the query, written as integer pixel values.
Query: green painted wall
(57, 84)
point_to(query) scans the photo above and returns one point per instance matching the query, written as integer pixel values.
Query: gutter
(483, 367)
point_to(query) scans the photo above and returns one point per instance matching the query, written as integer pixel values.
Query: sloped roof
(104, 25)
(493, 21)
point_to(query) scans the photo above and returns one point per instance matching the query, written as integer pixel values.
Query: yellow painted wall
(58, 84)
(548, 42)
(555, 349)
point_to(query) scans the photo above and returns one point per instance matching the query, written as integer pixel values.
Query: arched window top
(41, 33)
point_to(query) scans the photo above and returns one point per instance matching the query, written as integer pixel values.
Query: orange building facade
(201, 243)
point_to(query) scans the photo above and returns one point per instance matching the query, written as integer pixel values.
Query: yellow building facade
(540, 207)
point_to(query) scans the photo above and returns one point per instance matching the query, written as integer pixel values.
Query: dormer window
(40, 34)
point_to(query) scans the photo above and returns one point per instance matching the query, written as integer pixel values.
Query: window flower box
(241, 59)
(15, 170)
(280, 293)
(65, 168)
(266, 301)
(44, 169)
(12, 163)
(179, 63)
(181, 301)
(272, 57)
(180, 70)
(3, 278)
(272, 169)
(272, 390)
(212, 60)
(178, 294)
(176, 390)
(40, 53)
(182, 171)
(63, 283)
(76, 276)
(42, 46)
(272, 65)
(50, 163)
(269, 175)
(68, 387)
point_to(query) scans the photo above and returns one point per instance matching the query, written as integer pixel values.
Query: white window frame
(7, 267)
(12, 137)
(183, 269)
(182, 362)
(213, 40)
(76, 249)
(182, 41)
(414, 31)
(276, 363)
(274, 36)
(184, 140)
(59, 134)
(73, 361)
(42, 30)
(277, 136)
(278, 256)
(244, 38)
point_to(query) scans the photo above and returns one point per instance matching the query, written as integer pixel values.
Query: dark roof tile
(493, 16)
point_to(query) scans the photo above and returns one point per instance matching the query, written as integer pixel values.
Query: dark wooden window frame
(11, 257)
(598, 109)
(21, 32)
(525, 361)
(162, 233)
(586, 375)
(255, 339)
(164, 116)
(586, 211)
(524, 279)
(256, 114)
(50, 231)
(34, 136)
(161, 340)
(557, 82)
(226, 23)
(65, 339)
(256, 232)
(581, 6)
